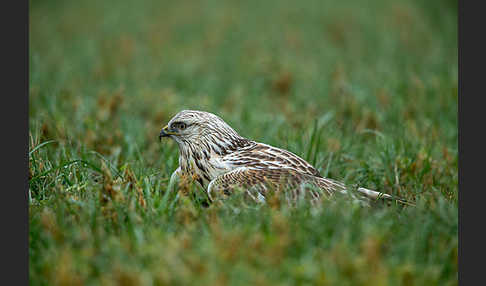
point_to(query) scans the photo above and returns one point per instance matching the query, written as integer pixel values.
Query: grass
(366, 93)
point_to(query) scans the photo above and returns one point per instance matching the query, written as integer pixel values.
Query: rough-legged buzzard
(222, 161)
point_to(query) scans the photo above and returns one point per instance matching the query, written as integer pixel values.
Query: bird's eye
(182, 126)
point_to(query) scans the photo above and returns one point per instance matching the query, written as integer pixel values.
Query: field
(367, 93)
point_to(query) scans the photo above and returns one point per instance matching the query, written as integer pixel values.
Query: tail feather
(377, 195)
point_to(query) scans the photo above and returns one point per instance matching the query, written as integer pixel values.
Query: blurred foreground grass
(374, 83)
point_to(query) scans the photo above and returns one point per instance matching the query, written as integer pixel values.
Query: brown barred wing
(258, 183)
(263, 156)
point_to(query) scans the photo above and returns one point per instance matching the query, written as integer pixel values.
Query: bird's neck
(214, 143)
(205, 157)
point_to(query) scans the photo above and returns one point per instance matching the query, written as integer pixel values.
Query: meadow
(366, 91)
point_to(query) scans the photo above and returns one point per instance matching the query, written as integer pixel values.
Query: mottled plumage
(222, 161)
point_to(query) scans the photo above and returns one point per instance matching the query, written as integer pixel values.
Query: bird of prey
(222, 162)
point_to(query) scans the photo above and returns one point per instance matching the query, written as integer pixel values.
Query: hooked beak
(166, 132)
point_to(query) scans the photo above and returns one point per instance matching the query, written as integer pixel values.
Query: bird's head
(199, 128)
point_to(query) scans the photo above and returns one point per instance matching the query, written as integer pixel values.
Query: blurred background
(364, 90)
(133, 64)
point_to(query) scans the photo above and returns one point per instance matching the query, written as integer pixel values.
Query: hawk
(222, 161)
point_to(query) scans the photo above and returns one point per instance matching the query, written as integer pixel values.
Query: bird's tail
(377, 195)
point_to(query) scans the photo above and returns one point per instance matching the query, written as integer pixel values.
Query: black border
(471, 48)
(15, 94)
